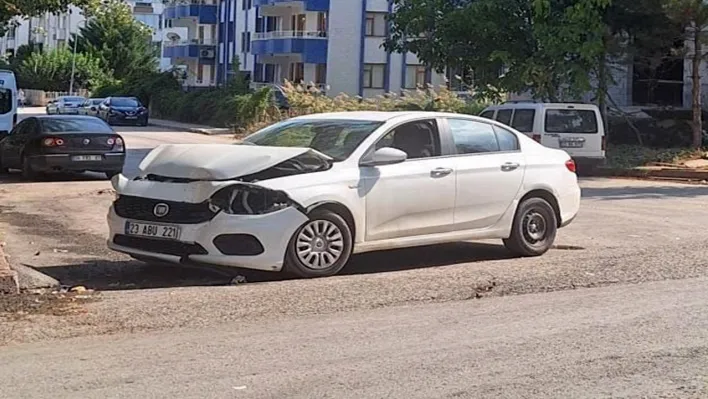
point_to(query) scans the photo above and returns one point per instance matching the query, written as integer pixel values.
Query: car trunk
(81, 143)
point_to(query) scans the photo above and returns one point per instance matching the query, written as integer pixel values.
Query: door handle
(509, 166)
(440, 172)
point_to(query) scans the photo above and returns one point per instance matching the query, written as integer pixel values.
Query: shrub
(51, 71)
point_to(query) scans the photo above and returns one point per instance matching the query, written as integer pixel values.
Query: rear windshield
(523, 120)
(5, 101)
(571, 121)
(125, 102)
(79, 125)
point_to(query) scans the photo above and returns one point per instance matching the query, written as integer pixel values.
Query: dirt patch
(20, 307)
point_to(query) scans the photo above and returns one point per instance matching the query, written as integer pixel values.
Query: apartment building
(51, 31)
(335, 44)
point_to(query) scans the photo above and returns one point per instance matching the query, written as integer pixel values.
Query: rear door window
(573, 121)
(504, 116)
(523, 120)
(487, 114)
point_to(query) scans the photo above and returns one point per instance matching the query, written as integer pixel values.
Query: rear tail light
(570, 164)
(53, 142)
(536, 137)
(116, 142)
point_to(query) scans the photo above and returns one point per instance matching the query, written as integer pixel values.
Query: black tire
(534, 229)
(28, 173)
(294, 264)
(109, 175)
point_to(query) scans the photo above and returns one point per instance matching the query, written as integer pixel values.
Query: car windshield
(96, 101)
(125, 102)
(80, 125)
(336, 138)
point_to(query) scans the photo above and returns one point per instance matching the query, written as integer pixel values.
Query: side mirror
(384, 156)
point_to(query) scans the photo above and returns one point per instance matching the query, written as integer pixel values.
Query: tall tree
(693, 16)
(11, 9)
(121, 43)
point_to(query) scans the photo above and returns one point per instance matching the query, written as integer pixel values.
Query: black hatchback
(123, 111)
(62, 143)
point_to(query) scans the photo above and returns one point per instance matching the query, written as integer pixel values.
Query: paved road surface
(647, 340)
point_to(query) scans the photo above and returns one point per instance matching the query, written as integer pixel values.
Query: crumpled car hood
(213, 162)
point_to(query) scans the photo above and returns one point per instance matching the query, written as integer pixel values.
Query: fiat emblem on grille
(86, 141)
(161, 209)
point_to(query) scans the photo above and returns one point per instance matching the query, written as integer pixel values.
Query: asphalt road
(438, 321)
(637, 341)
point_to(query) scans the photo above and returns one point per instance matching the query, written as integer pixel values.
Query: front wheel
(534, 229)
(321, 247)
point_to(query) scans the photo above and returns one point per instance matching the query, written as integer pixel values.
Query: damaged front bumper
(252, 241)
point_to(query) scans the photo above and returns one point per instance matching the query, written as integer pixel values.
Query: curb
(668, 173)
(9, 283)
(205, 131)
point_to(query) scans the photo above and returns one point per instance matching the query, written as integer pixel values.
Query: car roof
(539, 105)
(384, 116)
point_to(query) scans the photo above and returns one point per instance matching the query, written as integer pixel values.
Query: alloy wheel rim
(534, 227)
(319, 245)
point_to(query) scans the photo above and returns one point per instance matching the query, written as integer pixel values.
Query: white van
(576, 128)
(8, 100)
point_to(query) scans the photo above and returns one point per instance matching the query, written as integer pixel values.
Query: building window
(200, 73)
(375, 24)
(321, 74)
(415, 76)
(374, 76)
(11, 33)
(297, 72)
(322, 22)
(298, 22)
(246, 5)
(245, 42)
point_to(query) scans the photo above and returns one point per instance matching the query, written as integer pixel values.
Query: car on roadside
(62, 143)
(123, 111)
(304, 194)
(576, 128)
(65, 105)
(90, 106)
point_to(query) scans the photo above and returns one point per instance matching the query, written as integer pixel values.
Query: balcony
(204, 50)
(205, 13)
(311, 46)
(307, 5)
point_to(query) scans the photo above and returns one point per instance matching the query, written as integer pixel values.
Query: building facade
(334, 44)
(51, 31)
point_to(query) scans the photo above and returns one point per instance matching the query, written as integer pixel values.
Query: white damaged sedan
(304, 194)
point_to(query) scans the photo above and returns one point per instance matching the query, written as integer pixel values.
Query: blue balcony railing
(205, 13)
(312, 46)
(205, 51)
(310, 5)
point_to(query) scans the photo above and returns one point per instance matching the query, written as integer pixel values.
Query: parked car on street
(575, 128)
(304, 194)
(8, 100)
(66, 105)
(62, 143)
(90, 106)
(123, 111)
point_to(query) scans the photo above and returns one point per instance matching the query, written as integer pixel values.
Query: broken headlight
(248, 200)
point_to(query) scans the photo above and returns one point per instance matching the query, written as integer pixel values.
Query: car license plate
(152, 230)
(84, 158)
(572, 144)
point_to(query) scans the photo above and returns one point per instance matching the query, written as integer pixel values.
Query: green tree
(122, 44)
(51, 70)
(693, 17)
(541, 46)
(11, 9)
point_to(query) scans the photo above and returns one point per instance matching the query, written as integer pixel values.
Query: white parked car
(572, 127)
(304, 194)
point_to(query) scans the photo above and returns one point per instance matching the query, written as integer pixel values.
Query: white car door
(490, 170)
(415, 197)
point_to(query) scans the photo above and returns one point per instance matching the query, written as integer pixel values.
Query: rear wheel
(112, 173)
(534, 228)
(321, 247)
(28, 173)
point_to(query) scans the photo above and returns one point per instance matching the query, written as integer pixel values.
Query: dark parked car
(62, 143)
(123, 111)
